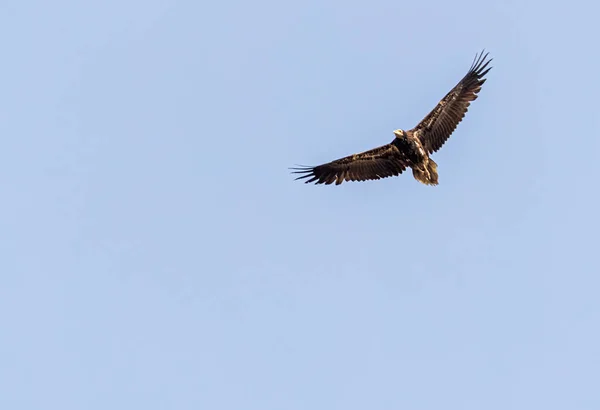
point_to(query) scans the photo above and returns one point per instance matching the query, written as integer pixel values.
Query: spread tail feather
(428, 176)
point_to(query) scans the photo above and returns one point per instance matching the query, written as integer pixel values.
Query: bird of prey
(409, 148)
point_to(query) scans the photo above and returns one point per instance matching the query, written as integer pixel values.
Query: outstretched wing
(435, 129)
(380, 162)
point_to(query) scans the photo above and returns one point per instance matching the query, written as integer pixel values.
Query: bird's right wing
(377, 163)
(435, 129)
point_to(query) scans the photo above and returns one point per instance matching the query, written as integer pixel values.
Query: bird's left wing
(435, 129)
(377, 163)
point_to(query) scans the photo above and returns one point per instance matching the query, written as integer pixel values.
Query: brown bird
(409, 148)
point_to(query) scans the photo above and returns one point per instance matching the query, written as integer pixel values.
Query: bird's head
(400, 133)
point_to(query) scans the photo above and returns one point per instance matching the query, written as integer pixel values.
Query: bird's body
(409, 149)
(423, 167)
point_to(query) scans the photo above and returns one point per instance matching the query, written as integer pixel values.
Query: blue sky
(156, 253)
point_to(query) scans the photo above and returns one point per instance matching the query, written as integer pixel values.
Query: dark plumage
(409, 149)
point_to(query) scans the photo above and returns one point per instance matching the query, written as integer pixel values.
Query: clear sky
(156, 253)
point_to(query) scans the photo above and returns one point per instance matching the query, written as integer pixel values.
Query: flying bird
(409, 149)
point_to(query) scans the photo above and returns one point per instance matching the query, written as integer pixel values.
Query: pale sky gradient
(157, 254)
